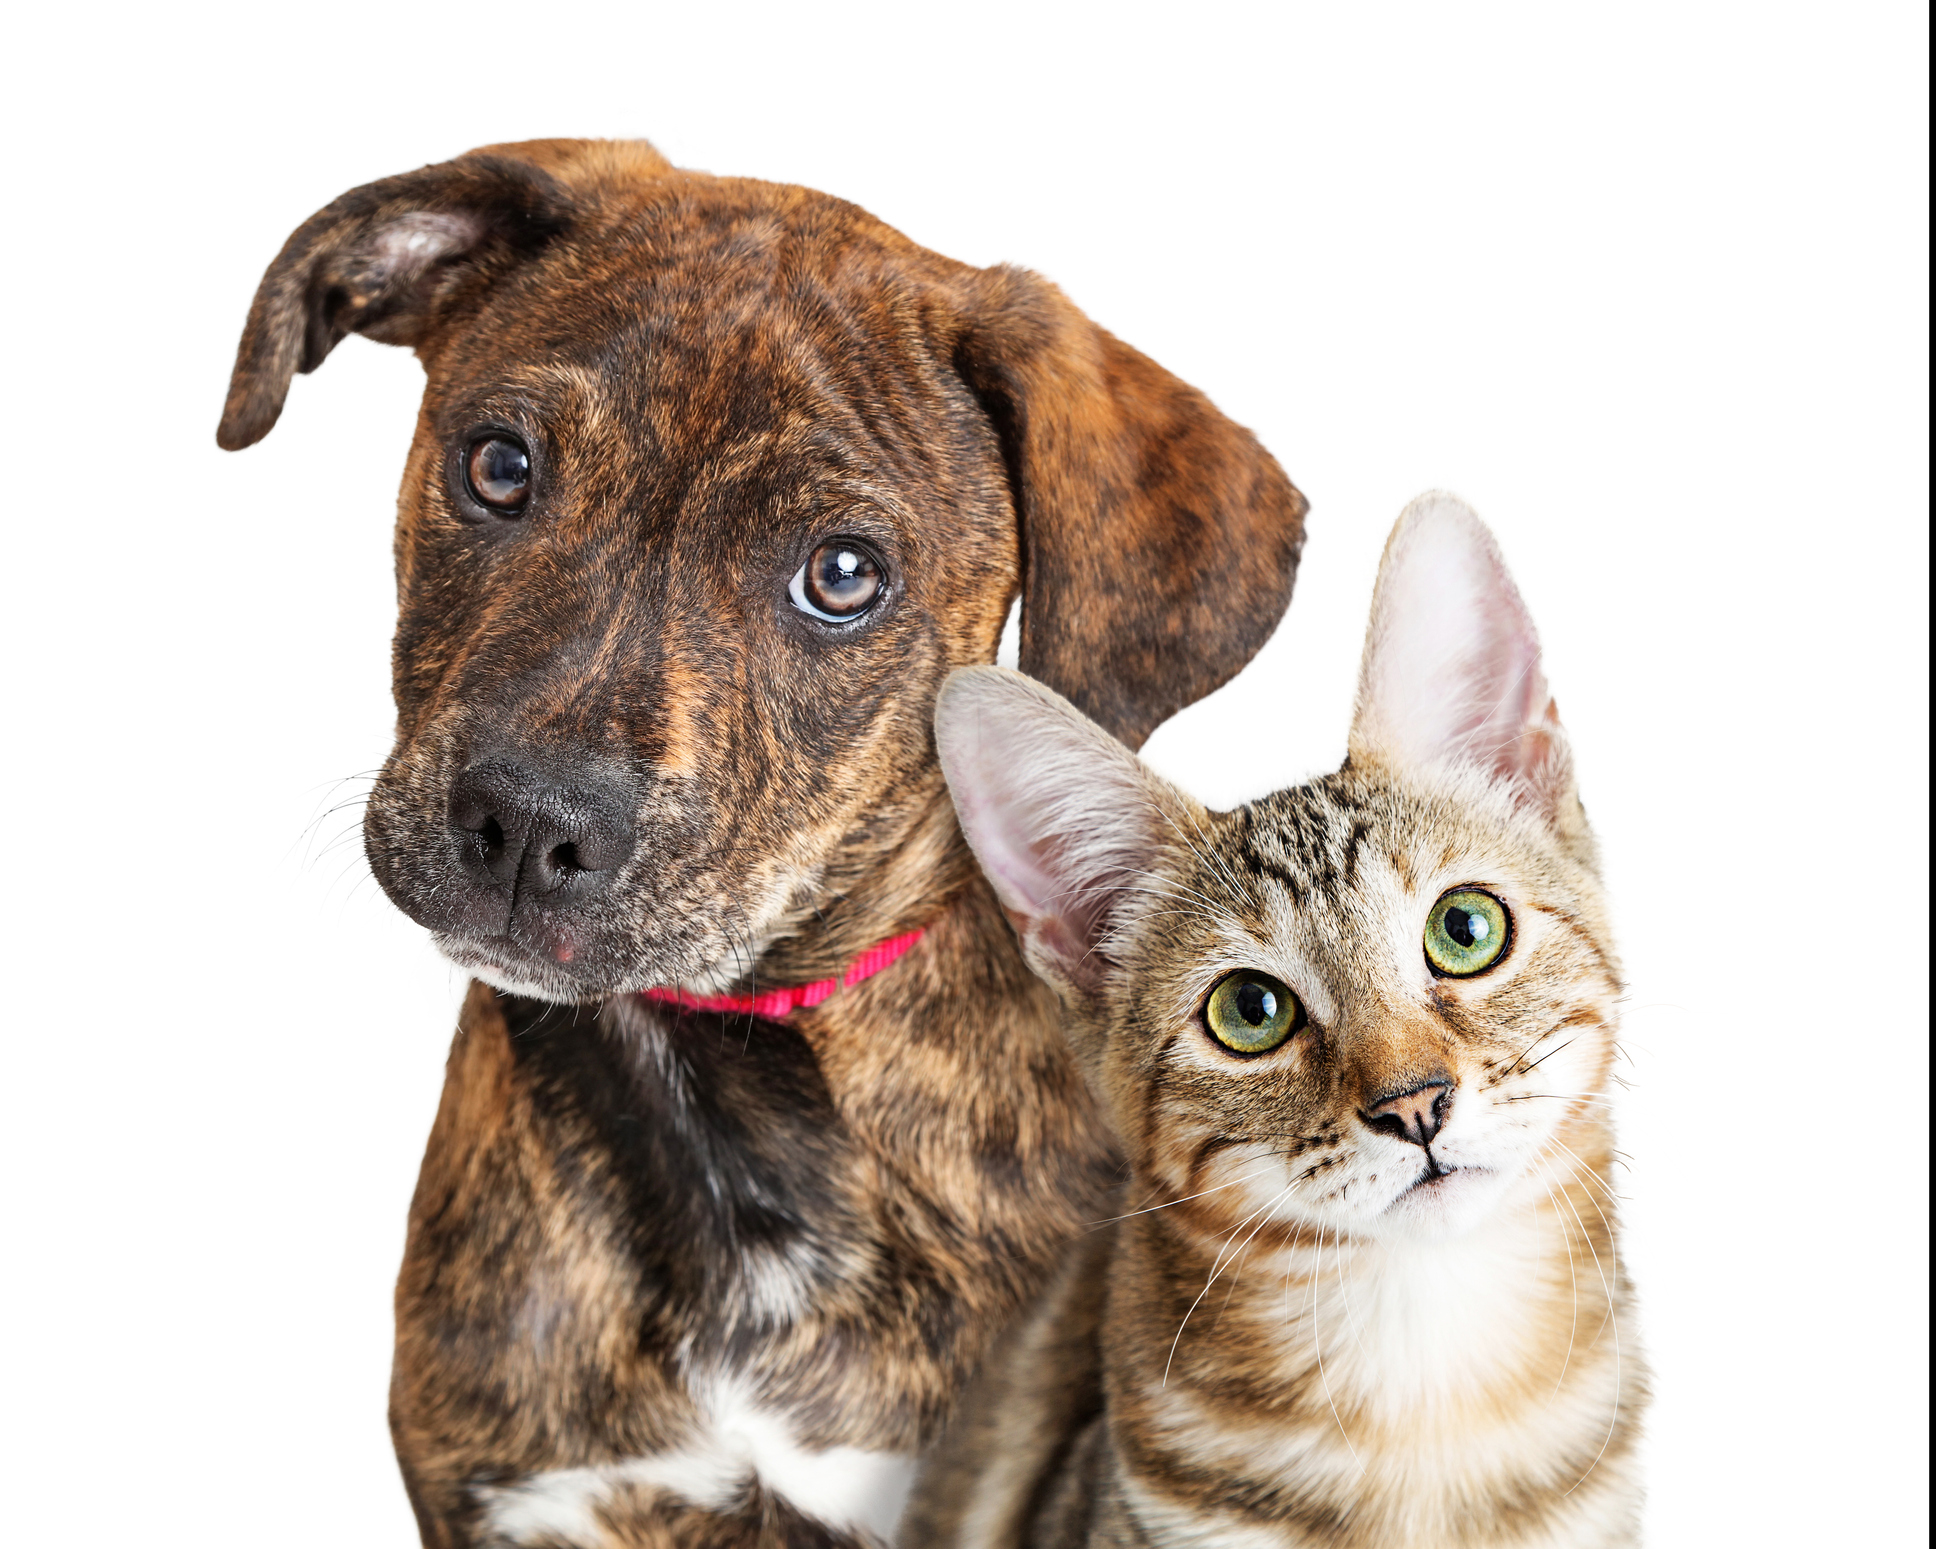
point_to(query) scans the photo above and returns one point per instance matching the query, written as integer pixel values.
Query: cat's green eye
(1466, 933)
(1252, 1013)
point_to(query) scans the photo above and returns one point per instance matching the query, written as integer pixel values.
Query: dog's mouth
(573, 970)
(510, 966)
(562, 958)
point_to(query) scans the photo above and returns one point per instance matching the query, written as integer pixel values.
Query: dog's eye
(499, 473)
(1252, 1013)
(1466, 933)
(840, 581)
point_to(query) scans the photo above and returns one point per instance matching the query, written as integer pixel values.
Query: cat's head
(1381, 1002)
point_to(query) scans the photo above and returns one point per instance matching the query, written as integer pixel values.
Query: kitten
(1355, 1039)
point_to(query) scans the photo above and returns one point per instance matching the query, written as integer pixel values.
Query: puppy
(714, 483)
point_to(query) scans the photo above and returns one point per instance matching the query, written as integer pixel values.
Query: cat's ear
(1066, 821)
(1451, 670)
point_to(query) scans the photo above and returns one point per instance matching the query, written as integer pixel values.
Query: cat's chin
(1448, 1205)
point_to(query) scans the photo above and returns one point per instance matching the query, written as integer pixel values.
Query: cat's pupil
(1465, 927)
(1255, 1004)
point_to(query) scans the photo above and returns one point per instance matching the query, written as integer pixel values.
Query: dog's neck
(766, 1159)
(898, 876)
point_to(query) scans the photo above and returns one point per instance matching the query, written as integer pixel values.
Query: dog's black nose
(534, 833)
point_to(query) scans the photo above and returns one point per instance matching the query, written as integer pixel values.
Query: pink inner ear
(1059, 813)
(1019, 797)
(1452, 664)
(411, 243)
(1002, 824)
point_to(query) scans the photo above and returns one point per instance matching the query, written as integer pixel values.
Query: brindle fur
(620, 1203)
(1252, 1355)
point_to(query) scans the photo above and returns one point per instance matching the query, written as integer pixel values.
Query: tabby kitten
(1355, 1039)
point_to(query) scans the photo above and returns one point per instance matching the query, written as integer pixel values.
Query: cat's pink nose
(1416, 1115)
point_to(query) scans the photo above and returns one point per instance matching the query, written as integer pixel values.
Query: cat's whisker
(1317, 1343)
(1593, 1173)
(1572, 1274)
(1528, 1069)
(1287, 1290)
(1208, 850)
(1216, 1269)
(1264, 1211)
(1612, 1312)
(1111, 1220)
(1599, 1268)
(1203, 852)
(1344, 1296)
(1110, 884)
(1237, 1275)
(1172, 888)
(1613, 1317)
(1169, 880)
(1188, 912)
(1516, 1066)
(1585, 1020)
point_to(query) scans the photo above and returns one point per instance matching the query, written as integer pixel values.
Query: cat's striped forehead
(1310, 841)
(1322, 846)
(1328, 847)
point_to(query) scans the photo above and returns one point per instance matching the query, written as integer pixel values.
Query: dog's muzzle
(537, 841)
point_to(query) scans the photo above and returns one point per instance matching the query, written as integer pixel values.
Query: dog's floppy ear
(395, 258)
(1159, 540)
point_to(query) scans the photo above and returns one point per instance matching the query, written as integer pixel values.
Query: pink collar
(774, 1004)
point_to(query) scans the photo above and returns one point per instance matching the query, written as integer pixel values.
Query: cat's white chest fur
(1425, 1345)
(1409, 1328)
(737, 1443)
(1420, 1352)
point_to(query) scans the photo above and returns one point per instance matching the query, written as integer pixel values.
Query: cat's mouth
(1441, 1181)
(1436, 1172)
(1444, 1198)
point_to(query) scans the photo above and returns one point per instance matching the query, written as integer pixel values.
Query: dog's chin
(510, 966)
(504, 967)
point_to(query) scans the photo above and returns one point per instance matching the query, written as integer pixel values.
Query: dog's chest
(731, 1294)
(736, 1447)
(708, 1154)
(711, 1162)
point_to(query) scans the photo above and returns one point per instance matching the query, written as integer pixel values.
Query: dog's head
(714, 483)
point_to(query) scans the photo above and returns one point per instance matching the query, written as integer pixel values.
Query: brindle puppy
(714, 483)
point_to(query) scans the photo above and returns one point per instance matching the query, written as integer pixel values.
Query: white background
(1646, 284)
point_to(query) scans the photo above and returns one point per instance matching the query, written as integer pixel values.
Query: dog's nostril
(535, 831)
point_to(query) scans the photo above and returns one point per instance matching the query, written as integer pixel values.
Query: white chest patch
(738, 1444)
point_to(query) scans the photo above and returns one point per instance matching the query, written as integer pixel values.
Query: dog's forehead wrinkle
(700, 320)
